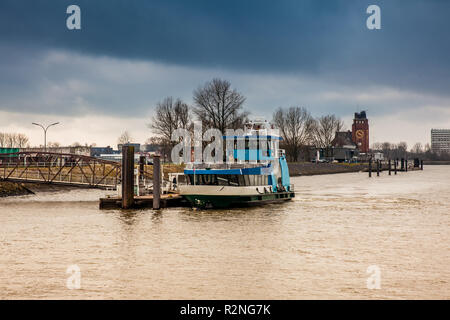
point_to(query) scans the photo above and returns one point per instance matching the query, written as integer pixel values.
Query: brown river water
(318, 246)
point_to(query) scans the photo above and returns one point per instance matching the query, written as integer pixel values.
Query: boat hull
(228, 201)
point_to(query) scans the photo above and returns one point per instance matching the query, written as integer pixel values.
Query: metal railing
(59, 168)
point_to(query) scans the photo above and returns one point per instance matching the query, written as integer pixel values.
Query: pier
(140, 202)
(392, 165)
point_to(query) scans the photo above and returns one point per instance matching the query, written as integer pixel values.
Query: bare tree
(124, 138)
(402, 146)
(21, 140)
(219, 106)
(296, 128)
(10, 140)
(170, 115)
(324, 130)
(2, 139)
(13, 140)
(417, 148)
(377, 146)
(163, 146)
(53, 145)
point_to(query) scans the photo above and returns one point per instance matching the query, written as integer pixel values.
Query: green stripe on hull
(212, 201)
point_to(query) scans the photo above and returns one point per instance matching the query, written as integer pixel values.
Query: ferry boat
(256, 176)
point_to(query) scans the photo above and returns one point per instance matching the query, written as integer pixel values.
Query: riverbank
(13, 189)
(433, 163)
(310, 169)
(8, 189)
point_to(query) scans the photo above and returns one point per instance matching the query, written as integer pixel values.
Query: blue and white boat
(258, 175)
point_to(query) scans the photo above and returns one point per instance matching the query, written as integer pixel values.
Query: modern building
(97, 151)
(440, 140)
(360, 131)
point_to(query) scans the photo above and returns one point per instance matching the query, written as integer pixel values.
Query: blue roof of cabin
(244, 171)
(254, 137)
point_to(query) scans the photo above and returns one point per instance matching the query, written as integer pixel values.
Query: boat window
(246, 180)
(209, 179)
(222, 180)
(234, 180)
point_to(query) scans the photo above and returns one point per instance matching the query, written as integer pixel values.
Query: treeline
(400, 150)
(218, 105)
(13, 140)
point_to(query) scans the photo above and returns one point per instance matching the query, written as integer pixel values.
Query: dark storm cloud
(326, 38)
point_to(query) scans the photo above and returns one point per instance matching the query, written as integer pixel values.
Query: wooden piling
(370, 167)
(141, 166)
(395, 166)
(406, 165)
(127, 177)
(156, 182)
(402, 167)
(421, 164)
(378, 168)
(389, 166)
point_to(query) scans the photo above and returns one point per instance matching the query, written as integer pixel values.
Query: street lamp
(45, 132)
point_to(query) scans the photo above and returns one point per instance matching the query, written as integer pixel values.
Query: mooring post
(141, 166)
(156, 182)
(370, 167)
(421, 164)
(127, 177)
(389, 166)
(378, 168)
(406, 165)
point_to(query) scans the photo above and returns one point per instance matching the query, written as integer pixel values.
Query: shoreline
(312, 169)
(10, 189)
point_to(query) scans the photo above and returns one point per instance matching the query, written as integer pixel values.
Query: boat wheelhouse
(257, 174)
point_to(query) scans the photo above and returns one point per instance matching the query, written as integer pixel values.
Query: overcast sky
(107, 77)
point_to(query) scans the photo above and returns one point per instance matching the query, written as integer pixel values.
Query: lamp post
(45, 132)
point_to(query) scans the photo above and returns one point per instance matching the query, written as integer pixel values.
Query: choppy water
(317, 246)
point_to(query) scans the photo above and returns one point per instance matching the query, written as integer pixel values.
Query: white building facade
(440, 140)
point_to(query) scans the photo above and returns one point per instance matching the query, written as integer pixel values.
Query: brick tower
(360, 131)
